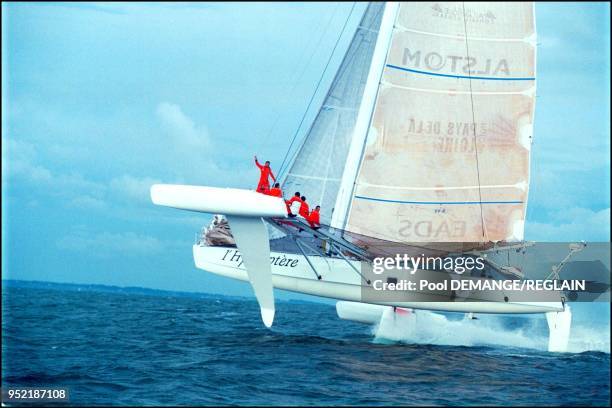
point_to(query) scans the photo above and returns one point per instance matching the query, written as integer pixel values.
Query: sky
(101, 100)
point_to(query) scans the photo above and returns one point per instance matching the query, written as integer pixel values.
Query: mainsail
(446, 154)
(317, 169)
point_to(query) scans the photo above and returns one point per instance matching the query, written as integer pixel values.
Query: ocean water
(126, 347)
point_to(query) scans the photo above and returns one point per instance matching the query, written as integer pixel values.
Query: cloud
(88, 203)
(190, 153)
(18, 161)
(182, 129)
(103, 244)
(571, 225)
(21, 164)
(554, 190)
(21, 161)
(133, 187)
(74, 183)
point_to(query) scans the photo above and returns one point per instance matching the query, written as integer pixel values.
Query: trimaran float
(422, 143)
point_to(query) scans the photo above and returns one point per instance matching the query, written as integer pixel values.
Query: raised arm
(257, 163)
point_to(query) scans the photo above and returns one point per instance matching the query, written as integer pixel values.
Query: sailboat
(421, 145)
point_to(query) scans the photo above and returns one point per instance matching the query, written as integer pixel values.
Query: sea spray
(425, 327)
(589, 338)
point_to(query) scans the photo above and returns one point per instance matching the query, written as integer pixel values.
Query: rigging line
(467, 50)
(285, 162)
(316, 47)
(304, 66)
(354, 55)
(343, 68)
(281, 169)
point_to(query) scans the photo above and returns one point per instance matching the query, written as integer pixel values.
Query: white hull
(339, 281)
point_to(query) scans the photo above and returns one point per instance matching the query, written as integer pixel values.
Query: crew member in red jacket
(304, 210)
(266, 171)
(314, 219)
(290, 203)
(276, 190)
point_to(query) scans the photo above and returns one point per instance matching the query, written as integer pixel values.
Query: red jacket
(293, 199)
(313, 218)
(266, 172)
(304, 210)
(276, 192)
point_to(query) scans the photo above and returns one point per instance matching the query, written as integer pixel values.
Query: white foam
(424, 327)
(589, 339)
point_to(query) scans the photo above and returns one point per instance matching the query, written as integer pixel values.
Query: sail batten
(527, 38)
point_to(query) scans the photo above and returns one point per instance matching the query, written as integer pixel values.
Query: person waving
(265, 172)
